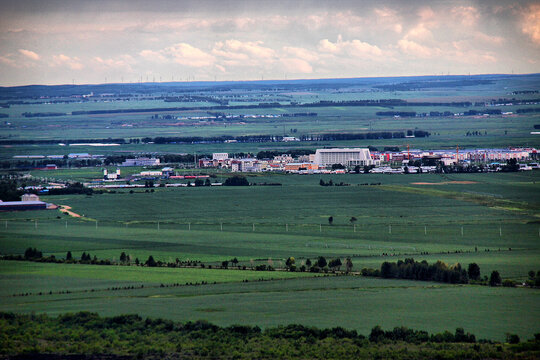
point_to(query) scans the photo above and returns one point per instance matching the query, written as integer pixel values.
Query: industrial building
(141, 162)
(30, 197)
(345, 157)
(23, 205)
(301, 166)
(220, 156)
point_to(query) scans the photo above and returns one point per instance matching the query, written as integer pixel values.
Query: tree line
(130, 336)
(402, 269)
(438, 272)
(223, 138)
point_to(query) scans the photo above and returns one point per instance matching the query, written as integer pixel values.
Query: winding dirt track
(67, 209)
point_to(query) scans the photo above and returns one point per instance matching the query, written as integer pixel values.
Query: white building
(220, 156)
(141, 162)
(245, 165)
(346, 157)
(29, 197)
(290, 138)
(111, 176)
(154, 173)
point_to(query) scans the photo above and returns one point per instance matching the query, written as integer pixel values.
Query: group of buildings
(324, 159)
(449, 157)
(319, 161)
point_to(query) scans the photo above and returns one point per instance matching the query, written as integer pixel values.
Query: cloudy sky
(57, 42)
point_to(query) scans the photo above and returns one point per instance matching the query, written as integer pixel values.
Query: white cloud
(466, 15)
(531, 23)
(8, 60)
(180, 53)
(188, 55)
(301, 53)
(236, 49)
(388, 19)
(29, 54)
(296, 66)
(355, 48)
(415, 49)
(426, 14)
(153, 55)
(452, 35)
(419, 32)
(326, 45)
(123, 62)
(220, 51)
(480, 37)
(63, 60)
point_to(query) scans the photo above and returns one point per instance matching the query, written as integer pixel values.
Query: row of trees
(414, 270)
(331, 183)
(279, 138)
(320, 264)
(438, 271)
(236, 180)
(84, 334)
(407, 269)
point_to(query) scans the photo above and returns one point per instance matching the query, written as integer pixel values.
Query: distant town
(155, 173)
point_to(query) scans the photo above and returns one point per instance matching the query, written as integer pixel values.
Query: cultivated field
(267, 224)
(351, 302)
(491, 219)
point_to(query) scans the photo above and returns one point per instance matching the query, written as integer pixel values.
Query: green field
(492, 219)
(37, 277)
(267, 224)
(351, 302)
(495, 212)
(496, 130)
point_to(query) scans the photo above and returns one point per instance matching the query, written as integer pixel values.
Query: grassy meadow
(496, 130)
(348, 301)
(267, 224)
(491, 219)
(491, 212)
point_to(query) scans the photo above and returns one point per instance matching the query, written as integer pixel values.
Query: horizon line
(267, 80)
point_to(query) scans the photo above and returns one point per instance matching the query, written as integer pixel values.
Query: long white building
(345, 157)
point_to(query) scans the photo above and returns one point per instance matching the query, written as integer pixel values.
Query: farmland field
(274, 222)
(352, 302)
(498, 130)
(266, 224)
(491, 219)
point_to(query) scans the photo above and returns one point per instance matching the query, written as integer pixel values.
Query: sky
(64, 42)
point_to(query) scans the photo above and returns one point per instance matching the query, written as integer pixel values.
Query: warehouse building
(141, 162)
(22, 205)
(345, 157)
